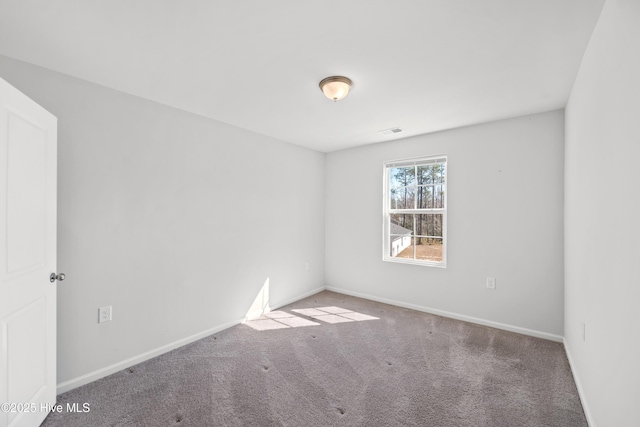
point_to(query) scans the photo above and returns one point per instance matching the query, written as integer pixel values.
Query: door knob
(60, 277)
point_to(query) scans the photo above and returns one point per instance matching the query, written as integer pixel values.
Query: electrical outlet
(104, 314)
(306, 265)
(491, 283)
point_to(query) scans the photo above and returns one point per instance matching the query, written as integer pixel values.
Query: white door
(28, 156)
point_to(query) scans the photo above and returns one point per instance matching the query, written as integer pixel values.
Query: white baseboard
(576, 379)
(476, 320)
(288, 301)
(111, 369)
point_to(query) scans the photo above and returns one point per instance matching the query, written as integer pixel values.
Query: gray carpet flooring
(405, 368)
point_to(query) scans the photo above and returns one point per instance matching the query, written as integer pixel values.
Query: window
(415, 211)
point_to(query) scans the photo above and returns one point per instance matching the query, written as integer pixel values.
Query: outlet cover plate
(104, 314)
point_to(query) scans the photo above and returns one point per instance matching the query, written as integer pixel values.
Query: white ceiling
(423, 65)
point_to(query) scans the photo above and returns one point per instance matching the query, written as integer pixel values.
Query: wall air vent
(391, 131)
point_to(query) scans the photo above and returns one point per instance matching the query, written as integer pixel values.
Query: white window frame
(388, 211)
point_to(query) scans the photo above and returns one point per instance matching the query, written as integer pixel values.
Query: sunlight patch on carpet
(283, 320)
(278, 320)
(265, 324)
(334, 314)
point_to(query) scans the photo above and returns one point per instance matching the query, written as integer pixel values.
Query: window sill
(416, 262)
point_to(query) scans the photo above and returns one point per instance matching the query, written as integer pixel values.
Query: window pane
(402, 198)
(431, 174)
(430, 197)
(401, 246)
(401, 224)
(425, 196)
(429, 225)
(401, 177)
(400, 232)
(438, 196)
(428, 249)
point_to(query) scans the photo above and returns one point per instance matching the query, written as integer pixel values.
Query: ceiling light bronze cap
(332, 79)
(335, 87)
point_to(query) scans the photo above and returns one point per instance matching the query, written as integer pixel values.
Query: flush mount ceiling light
(335, 87)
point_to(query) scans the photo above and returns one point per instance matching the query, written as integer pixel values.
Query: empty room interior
(346, 213)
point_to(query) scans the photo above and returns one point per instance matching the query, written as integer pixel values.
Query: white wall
(505, 221)
(175, 220)
(602, 219)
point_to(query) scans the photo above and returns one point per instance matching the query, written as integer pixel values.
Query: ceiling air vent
(390, 131)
